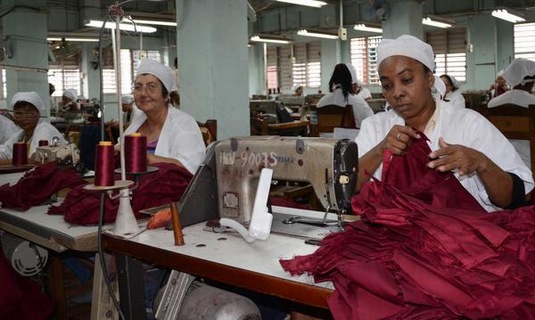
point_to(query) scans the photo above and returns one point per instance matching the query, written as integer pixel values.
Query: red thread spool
(135, 151)
(43, 143)
(104, 164)
(20, 154)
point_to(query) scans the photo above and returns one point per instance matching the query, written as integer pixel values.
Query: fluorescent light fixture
(437, 22)
(155, 22)
(72, 39)
(508, 15)
(363, 27)
(317, 34)
(122, 26)
(309, 3)
(269, 39)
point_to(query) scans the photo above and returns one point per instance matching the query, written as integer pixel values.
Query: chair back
(208, 130)
(330, 117)
(515, 122)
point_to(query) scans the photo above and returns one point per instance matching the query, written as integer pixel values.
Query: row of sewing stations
(225, 186)
(316, 171)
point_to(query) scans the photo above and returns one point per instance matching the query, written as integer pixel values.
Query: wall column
(213, 63)
(25, 30)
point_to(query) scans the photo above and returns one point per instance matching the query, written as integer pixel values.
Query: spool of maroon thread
(104, 164)
(43, 143)
(20, 154)
(135, 152)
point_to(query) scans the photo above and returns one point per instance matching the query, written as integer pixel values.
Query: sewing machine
(66, 155)
(225, 183)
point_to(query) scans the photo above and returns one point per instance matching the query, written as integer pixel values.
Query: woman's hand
(399, 139)
(454, 157)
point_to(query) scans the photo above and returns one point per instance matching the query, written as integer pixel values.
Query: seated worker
(298, 90)
(173, 136)
(520, 74)
(7, 128)
(129, 108)
(462, 140)
(68, 101)
(499, 87)
(453, 94)
(341, 94)
(27, 107)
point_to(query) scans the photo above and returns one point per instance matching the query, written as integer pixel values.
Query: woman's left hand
(454, 157)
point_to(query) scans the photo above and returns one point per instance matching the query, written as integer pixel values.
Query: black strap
(519, 192)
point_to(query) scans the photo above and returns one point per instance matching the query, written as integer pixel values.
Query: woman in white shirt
(453, 94)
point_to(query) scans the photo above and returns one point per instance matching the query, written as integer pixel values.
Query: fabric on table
(38, 185)
(425, 249)
(158, 188)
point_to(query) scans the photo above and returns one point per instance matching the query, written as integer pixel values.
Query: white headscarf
(127, 99)
(440, 86)
(71, 94)
(407, 46)
(353, 72)
(164, 73)
(31, 97)
(520, 68)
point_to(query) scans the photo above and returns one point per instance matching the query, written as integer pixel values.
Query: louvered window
(449, 46)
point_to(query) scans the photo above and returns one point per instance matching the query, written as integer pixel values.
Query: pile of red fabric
(164, 186)
(20, 298)
(38, 185)
(425, 249)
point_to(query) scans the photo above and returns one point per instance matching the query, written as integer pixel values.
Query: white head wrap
(127, 99)
(164, 73)
(353, 72)
(30, 97)
(295, 87)
(520, 68)
(440, 86)
(407, 46)
(71, 94)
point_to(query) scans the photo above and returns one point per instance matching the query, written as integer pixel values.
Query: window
(364, 58)
(524, 41)
(130, 60)
(64, 78)
(306, 70)
(449, 47)
(3, 86)
(297, 64)
(272, 69)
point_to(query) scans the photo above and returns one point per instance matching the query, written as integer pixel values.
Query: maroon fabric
(425, 249)
(164, 186)
(20, 298)
(38, 185)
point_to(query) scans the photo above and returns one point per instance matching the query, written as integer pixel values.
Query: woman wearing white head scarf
(27, 107)
(172, 135)
(462, 140)
(453, 93)
(342, 94)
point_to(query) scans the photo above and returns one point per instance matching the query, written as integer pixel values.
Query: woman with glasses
(27, 108)
(173, 136)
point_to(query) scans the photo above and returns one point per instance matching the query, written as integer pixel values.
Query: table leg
(131, 287)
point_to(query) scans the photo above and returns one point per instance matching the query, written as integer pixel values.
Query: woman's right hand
(399, 139)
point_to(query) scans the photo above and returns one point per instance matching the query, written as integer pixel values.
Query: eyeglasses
(150, 88)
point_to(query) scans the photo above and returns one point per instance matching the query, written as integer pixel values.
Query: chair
(330, 117)
(262, 127)
(515, 122)
(208, 130)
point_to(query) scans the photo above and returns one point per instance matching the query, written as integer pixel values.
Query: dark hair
(341, 76)
(450, 81)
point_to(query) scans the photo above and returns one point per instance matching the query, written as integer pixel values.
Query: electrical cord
(102, 260)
